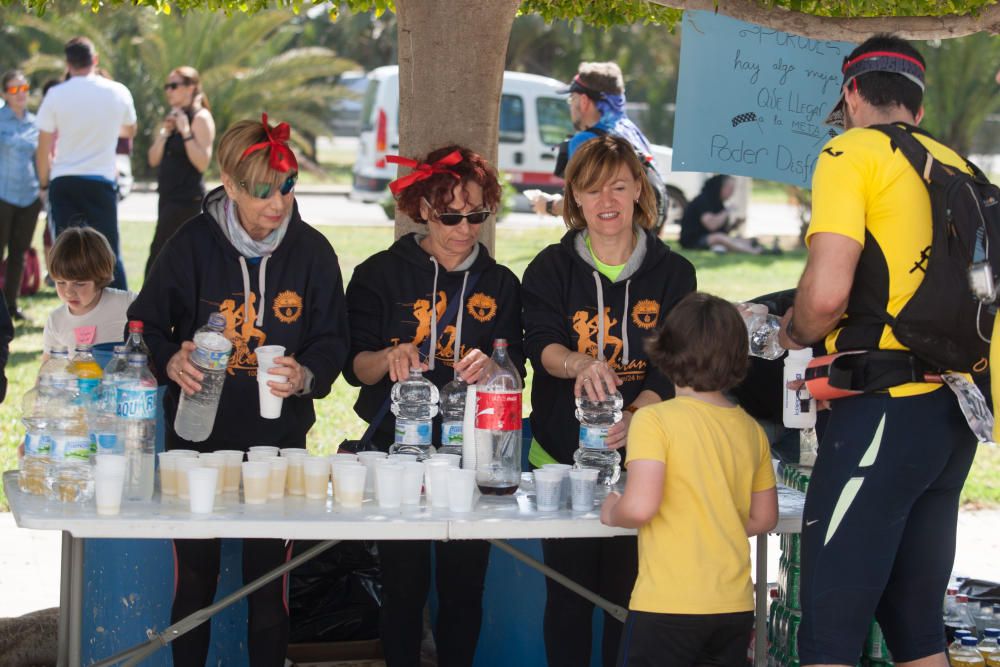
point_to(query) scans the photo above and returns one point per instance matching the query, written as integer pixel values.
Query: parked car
(533, 121)
(346, 110)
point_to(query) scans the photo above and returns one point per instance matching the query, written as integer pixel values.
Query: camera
(981, 282)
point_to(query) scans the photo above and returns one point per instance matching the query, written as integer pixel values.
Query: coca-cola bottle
(498, 426)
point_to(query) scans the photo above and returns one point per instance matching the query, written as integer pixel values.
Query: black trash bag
(335, 596)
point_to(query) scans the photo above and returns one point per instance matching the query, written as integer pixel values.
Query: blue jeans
(76, 201)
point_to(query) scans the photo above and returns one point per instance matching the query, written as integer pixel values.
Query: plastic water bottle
(990, 647)
(762, 330)
(136, 344)
(415, 403)
(799, 409)
(88, 373)
(963, 614)
(58, 362)
(102, 413)
(983, 616)
(596, 417)
(196, 413)
(498, 426)
(452, 416)
(38, 407)
(967, 654)
(137, 427)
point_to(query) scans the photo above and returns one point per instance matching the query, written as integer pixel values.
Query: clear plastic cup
(295, 483)
(548, 489)
(316, 470)
(436, 481)
(168, 473)
(582, 482)
(400, 458)
(368, 460)
(256, 479)
(461, 489)
(333, 470)
(294, 451)
(388, 485)
(234, 459)
(350, 485)
(110, 461)
(412, 482)
(454, 459)
(203, 481)
(183, 464)
(260, 455)
(109, 485)
(279, 471)
(270, 449)
(565, 490)
(217, 461)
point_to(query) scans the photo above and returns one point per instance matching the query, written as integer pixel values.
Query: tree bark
(451, 63)
(847, 29)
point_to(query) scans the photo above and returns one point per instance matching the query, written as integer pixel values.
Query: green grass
(732, 276)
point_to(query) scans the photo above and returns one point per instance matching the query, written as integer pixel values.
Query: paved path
(29, 559)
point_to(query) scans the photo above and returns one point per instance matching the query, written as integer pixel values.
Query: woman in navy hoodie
(398, 300)
(276, 280)
(589, 303)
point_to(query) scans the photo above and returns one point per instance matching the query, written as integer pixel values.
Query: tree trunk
(451, 63)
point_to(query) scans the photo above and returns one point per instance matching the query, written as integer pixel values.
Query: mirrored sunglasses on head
(450, 219)
(265, 190)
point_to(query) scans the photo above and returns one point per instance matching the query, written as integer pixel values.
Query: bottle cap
(135, 326)
(969, 641)
(500, 342)
(961, 633)
(992, 632)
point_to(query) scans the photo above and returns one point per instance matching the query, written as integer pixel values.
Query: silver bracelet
(565, 366)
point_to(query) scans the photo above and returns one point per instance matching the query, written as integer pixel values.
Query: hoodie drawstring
(625, 326)
(600, 316)
(246, 289)
(457, 354)
(434, 319)
(260, 286)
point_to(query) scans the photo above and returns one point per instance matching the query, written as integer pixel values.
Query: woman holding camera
(181, 151)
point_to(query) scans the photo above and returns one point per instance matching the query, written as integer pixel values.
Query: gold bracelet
(565, 366)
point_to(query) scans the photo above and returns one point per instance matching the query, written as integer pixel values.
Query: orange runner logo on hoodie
(422, 314)
(586, 328)
(287, 306)
(241, 331)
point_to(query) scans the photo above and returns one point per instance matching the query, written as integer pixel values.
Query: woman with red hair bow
(276, 280)
(434, 300)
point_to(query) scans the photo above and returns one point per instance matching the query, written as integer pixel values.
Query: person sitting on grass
(707, 223)
(82, 265)
(700, 481)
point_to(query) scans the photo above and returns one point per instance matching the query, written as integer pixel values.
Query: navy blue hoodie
(563, 294)
(298, 303)
(389, 299)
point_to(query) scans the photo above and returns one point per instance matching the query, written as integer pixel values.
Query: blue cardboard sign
(752, 100)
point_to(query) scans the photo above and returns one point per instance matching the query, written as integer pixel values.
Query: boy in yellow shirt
(700, 481)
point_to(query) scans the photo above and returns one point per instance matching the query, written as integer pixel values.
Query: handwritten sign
(752, 101)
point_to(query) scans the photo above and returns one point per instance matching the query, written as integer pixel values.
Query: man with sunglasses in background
(878, 534)
(596, 107)
(89, 113)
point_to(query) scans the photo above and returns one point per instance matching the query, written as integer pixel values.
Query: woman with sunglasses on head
(434, 300)
(20, 199)
(590, 301)
(276, 281)
(181, 152)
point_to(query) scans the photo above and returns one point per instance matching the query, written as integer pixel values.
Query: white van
(533, 121)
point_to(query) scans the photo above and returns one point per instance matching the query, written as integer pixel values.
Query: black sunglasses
(173, 85)
(451, 219)
(264, 190)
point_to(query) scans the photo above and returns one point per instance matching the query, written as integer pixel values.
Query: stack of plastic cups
(270, 405)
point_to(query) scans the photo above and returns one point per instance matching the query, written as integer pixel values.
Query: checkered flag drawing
(745, 118)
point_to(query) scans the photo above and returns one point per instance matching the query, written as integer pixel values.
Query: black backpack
(949, 319)
(652, 175)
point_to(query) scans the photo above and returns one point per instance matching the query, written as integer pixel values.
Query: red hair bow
(281, 158)
(421, 170)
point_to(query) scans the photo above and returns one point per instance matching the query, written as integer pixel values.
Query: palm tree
(244, 61)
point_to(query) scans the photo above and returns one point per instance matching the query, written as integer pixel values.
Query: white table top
(295, 517)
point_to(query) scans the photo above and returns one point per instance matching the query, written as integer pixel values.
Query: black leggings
(197, 568)
(460, 568)
(607, 566)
